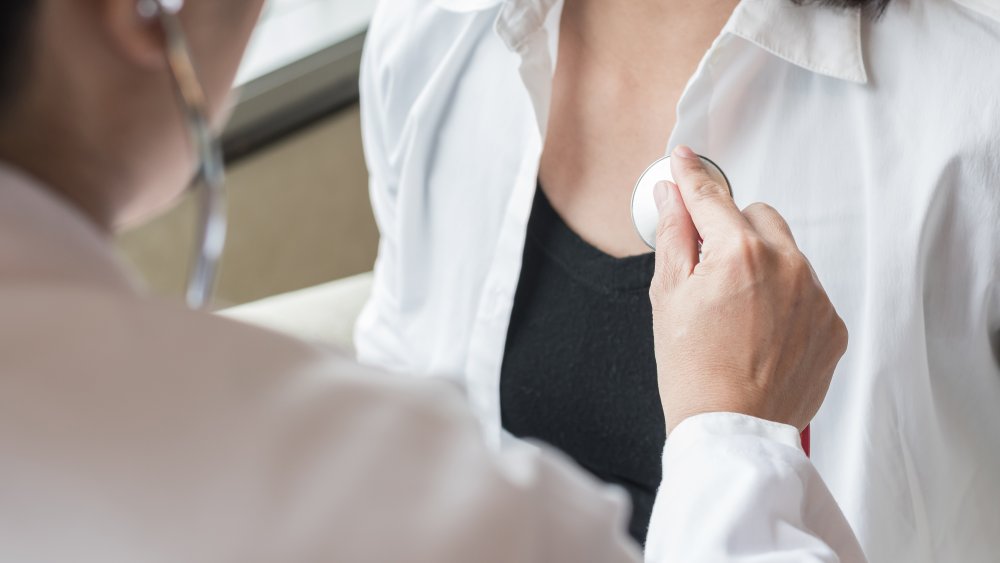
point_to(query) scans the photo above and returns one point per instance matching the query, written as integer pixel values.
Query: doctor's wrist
(720, 401)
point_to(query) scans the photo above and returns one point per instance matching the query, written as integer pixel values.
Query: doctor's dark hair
(15, 28)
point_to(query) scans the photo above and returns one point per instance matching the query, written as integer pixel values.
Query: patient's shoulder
(987, 8)
(409, 39)
(934, 57)
(949, 25)
(417, 49)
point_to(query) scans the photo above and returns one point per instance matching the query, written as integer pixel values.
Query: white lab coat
(879, 141)
(134, 430)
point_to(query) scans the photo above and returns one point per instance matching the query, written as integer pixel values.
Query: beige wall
(299, 216)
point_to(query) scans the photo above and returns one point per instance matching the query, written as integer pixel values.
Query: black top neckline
(583, 261)
(579, 368)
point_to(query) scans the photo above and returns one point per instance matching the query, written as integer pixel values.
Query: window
(291, 30)
(302, 63)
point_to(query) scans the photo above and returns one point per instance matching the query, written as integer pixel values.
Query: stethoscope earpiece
(149, 9)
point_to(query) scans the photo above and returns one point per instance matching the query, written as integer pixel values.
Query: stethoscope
(210, 178)
(646, 218)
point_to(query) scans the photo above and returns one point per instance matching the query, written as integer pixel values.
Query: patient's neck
(645, 32)
(635, 56)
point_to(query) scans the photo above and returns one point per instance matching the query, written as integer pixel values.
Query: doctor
(133, 429)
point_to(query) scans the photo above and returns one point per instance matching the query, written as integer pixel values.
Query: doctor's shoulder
(129, 348)
(113, 337)
(374, 452)
(249, 355)
(174, 419)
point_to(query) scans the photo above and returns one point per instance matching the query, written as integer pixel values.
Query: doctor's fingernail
(684, 151)
(661, 195)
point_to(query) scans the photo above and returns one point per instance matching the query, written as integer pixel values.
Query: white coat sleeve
(245, 448)
(421, 485)
(740, 489)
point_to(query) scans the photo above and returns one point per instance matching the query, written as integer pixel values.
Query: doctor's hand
(746, 326)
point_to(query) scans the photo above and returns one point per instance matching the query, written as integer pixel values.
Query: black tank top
(578, 369)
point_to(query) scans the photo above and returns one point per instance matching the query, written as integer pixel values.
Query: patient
(504, 139)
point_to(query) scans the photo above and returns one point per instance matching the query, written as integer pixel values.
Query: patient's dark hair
(15, 28)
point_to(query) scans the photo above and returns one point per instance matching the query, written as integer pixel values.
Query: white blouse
(879, 141)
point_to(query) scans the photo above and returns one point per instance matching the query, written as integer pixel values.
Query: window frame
(285, 99)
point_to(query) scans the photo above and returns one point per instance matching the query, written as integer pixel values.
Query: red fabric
(805, 440)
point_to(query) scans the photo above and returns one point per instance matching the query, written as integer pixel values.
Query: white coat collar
(820, 39)
(45, 240)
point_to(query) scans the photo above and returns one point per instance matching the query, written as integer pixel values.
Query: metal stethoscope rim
(638, 184)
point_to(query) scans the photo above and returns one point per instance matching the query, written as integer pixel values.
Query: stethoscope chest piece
(645, 216)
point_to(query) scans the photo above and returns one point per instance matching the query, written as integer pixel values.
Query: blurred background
(299, 209)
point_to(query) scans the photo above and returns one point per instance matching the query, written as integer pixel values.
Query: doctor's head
(87, 102)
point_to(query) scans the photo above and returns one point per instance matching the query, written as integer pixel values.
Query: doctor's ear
(135, 29)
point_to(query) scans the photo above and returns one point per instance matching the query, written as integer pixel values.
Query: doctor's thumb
(676, 240)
